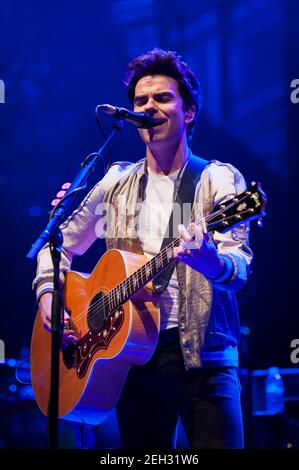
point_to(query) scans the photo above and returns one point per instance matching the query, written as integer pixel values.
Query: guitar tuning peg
(260, 222)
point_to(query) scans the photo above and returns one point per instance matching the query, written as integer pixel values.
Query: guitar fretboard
(123, 291)
(248, 205)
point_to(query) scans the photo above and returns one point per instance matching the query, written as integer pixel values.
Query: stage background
(58, 61)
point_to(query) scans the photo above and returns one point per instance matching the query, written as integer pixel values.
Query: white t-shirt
(152, 224)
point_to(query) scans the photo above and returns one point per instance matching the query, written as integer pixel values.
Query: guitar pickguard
(85, 348)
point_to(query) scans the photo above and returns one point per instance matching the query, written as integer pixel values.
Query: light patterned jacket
(208, 313)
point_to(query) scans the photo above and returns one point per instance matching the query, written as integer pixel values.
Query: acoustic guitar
(116, 328)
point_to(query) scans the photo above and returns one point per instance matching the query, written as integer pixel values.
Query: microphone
(141, 120)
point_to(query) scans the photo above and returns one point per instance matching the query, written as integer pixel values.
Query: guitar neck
(126, 289)
(249, 205)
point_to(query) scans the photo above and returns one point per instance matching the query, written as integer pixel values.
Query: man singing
(193, 371)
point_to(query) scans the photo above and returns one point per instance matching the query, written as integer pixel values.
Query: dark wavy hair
(160, 62)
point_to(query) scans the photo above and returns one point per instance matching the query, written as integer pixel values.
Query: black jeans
(207, 400)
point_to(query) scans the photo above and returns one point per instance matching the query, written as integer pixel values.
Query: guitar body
(116, 318)
(93, 372)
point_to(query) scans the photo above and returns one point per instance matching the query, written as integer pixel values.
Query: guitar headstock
(249, 205)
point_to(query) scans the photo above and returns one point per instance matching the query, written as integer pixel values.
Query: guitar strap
(184, 199)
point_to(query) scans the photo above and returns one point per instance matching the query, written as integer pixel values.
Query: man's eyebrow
(158, 93)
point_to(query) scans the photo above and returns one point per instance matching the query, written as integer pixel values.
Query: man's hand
(200, 254)
(45, 307)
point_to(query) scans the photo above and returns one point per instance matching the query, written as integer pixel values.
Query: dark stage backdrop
(58, 61)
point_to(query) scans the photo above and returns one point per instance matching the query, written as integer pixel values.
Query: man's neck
(164, 161)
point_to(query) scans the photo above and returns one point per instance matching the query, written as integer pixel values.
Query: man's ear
(190, 114)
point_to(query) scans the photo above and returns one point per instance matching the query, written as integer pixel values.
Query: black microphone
(141, 120)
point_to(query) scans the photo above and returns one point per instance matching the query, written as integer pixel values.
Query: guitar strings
(113, 303)
(104, 302)
(113, 293)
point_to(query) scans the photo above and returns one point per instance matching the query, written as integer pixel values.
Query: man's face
(158, 95)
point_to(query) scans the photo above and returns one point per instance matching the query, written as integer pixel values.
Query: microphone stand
(53, 235)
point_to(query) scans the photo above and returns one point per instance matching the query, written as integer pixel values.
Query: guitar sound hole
(96, 315)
